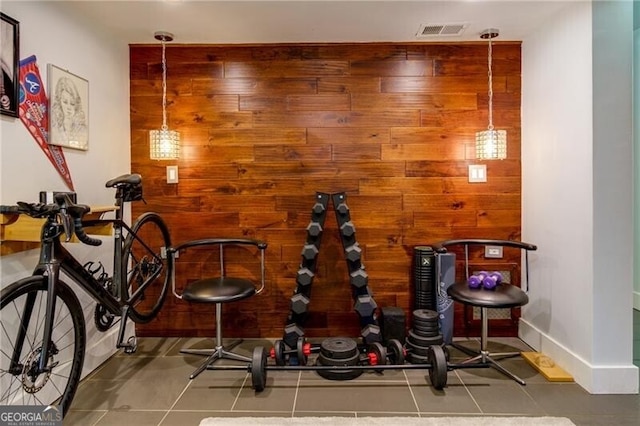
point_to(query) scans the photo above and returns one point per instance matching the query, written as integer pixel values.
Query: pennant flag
(34, 114)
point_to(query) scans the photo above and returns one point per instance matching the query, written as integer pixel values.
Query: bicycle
(42, 322)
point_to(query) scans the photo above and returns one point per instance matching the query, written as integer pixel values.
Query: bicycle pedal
(131, 346)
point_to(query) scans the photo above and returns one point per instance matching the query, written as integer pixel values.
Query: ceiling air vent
(441, 30)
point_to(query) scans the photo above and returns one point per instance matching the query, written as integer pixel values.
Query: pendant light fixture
(164, 143)
(491, 144)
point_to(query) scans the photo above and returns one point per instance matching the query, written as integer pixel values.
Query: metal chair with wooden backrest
(504, 295)
(220, 289)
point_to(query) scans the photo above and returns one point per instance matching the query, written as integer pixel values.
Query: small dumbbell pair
(484, 279)
(303, 349)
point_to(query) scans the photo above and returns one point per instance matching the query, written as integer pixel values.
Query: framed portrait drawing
(68, 109)
(9, 55)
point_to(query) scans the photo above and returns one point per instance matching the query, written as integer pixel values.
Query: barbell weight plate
(424, 341)
(425, 331)
(425, 316)
(439, 369)
(339, 347)
(417, 350)
(414, 358)
(279, 355)
(323, 360)
(259, 368)
(341, 374)
(427, 323)
(395, 351)
(302, 357)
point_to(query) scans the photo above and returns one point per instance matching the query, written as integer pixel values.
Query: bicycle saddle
(129, 179)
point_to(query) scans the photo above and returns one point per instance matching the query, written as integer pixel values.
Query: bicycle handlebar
(82, 234)
(69, 214)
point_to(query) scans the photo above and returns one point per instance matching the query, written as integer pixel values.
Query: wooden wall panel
(265, 127)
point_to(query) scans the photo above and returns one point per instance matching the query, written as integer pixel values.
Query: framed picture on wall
(68, 109)
(9, 55)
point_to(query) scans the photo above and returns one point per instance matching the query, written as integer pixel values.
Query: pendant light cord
(490, 74)
(164, 86)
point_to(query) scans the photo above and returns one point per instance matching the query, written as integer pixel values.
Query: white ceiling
(240, 21)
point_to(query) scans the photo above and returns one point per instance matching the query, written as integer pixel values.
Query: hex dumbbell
(292, 332)
(304, 276)
(309, 251)
(318, 208)
(342, 208)
(371, 333)
(299, 303)
(359, 278)
(353, 252)
(347, 229)
(365, 306)
(314, 229)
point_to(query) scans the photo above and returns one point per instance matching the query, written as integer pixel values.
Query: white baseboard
(595, 379)
(102, 346)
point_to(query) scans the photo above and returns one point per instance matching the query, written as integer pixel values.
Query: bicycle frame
(55, 257)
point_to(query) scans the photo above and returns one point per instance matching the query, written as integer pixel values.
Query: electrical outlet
(477, 173)
(494, 252)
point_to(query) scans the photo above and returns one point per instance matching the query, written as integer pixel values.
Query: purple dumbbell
(489, 282)
(496, 276)
(474, 281)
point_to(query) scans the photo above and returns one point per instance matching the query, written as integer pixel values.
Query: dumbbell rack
(364, 304)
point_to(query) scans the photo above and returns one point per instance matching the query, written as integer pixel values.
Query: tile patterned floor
(152, 387)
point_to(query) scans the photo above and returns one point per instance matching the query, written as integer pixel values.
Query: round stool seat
(218, 290)
(503, 296)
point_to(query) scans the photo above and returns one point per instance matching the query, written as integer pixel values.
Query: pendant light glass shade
(491, 144)
(164, 144)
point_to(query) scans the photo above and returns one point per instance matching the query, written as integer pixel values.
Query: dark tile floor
(152, 387)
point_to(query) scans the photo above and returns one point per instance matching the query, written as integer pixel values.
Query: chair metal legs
(483, 356)
(219, 352)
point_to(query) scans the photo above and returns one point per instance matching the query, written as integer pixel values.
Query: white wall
(57, 39)
(613, 186)
(577, 193)
(636, 131)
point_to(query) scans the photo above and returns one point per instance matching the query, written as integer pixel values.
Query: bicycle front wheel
(148, 270)
(22, 319)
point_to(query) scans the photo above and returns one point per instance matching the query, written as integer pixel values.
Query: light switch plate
(172, 174)
(477, 173)
(494, 252)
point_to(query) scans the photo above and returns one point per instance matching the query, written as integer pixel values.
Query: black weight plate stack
(339, 351)
(425, 317)
(414, 358)
(424, 334)
(420, 340)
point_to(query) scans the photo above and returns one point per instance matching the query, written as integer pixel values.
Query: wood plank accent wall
(266, 126)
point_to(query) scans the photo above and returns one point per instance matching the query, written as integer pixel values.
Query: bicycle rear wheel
(23, 308)
(148, 269)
